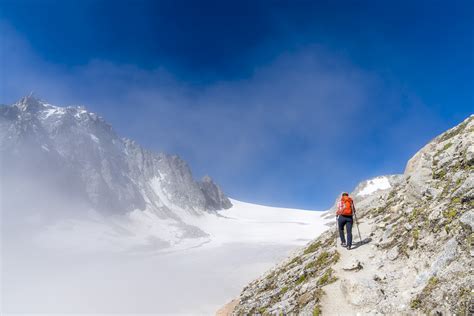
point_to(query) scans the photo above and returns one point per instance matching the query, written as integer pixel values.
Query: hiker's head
(345, 194)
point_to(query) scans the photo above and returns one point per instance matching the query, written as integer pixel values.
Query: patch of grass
(391, 195)
(312, 248)
(447, 229)
(379, 210)
(295, 260)
(450, 214)
(327, 278)
(416, 236)
(322, 258)
(301, 279)
(310, 265)
(415, 303)
(447, 146)
(284, 290)
(317, 310)
(450, 134)
(262, 310)
(439, 175)
(432, 282)
(414, 214)
(456, 200)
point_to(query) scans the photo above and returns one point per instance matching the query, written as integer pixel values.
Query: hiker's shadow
(361, 243)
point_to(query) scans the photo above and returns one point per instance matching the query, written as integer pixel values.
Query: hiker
(345, 210)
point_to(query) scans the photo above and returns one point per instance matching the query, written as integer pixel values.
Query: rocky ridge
(415, 255)
(70, 159)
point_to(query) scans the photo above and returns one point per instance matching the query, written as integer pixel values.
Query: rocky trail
(355, 265)
(417, 254)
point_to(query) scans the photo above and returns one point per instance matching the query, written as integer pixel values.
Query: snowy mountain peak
(43, 110)
(29, 104)
(76, 153)
(375, 184)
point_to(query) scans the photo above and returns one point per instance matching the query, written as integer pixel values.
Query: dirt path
(227, 308)
(336, 300)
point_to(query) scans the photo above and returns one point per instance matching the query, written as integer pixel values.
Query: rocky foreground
(415, 255)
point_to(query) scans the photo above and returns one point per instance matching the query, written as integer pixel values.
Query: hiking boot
(343, 244)
(348, 247)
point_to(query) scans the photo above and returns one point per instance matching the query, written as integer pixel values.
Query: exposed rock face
(417, 250)
(215, 198)
(72, 153)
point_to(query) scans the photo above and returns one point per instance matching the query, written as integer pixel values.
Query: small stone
(393, 253)
(355, 265)
(468, 219)
(304, 299)
(408, 226)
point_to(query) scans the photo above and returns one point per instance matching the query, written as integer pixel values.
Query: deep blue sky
(282, 102)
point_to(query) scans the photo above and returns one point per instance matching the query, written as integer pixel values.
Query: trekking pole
(337, 231)
(357, 225)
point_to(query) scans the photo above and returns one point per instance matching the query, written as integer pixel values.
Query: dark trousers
(345, 221)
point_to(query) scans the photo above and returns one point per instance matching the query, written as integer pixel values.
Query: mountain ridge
(54, 152)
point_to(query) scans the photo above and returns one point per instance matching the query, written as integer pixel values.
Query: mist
(61, 256)
(193, 282)
(236, 130)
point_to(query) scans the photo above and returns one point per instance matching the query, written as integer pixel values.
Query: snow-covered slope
(367, 192)
(380, 183)
(251, 223)
(145, 231)
(85, 188)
